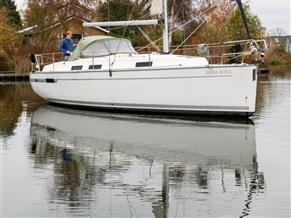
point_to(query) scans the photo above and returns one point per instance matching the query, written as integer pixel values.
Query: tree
(181, 12)
(7, 32)
(45, 13)
(234, 28)
(228, 25)
(8, 39)
(277, 32)
(12, 13)
(215, 15)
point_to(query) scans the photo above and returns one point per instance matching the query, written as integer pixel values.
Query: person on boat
(66, 46)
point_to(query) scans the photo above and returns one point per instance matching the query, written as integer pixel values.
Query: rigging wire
(169, 33)
(194, 31)
(108, 12)
(175, 29)
(123, 35)
(183, 14)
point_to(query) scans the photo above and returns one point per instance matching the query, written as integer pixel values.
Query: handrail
(218, 53)
(46, 58)
(221, 51)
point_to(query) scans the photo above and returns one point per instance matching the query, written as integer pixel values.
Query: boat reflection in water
(130, 165)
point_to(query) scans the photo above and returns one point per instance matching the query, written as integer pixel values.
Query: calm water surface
(58, 162)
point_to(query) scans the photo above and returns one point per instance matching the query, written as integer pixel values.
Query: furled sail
(156, 7)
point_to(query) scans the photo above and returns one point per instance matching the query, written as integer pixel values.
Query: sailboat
(106, 72)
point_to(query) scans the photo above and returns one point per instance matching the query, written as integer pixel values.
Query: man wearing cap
(66, 46)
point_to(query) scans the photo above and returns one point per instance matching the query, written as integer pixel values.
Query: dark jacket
(66, 46)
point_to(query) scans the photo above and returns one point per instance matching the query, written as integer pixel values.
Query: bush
(6, 64)
(277, 57)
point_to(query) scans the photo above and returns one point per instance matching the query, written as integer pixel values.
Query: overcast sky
(273, 13)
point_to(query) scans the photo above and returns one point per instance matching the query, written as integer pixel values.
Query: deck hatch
(95, 67)
(144, 64)
(77, 67)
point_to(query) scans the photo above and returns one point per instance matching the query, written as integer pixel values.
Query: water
(58, 162)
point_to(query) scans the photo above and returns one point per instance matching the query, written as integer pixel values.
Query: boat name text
(216, 72)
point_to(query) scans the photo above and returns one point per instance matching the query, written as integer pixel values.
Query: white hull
(217, 89)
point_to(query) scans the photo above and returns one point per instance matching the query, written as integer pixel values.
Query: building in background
(283, 42)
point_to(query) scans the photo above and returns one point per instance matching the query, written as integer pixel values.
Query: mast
(165, 28)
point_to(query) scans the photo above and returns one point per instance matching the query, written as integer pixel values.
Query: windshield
(108, 47)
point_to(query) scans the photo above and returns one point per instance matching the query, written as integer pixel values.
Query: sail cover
(156, 7)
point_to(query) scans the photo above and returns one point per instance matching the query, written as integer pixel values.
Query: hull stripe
(143, 78)
(153, 106)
